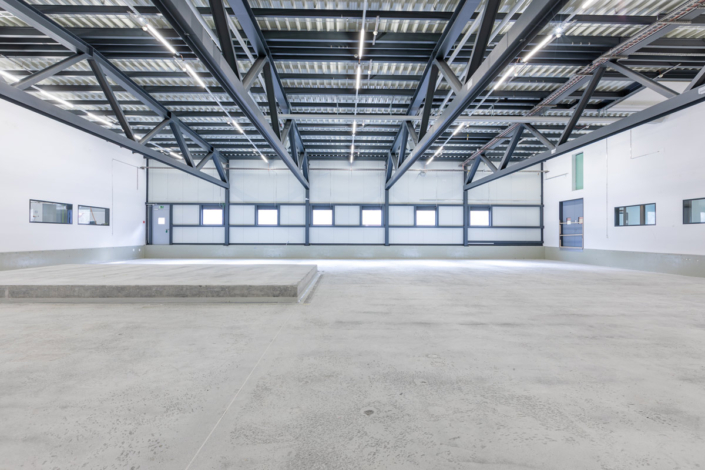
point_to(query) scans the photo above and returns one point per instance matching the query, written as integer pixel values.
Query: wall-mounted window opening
(425, 217)
(577, 171)
(161, 221)
(267, 215)
(44, 212)
(322, 216)
(211, 215)
(480, 217)
(88, 215)
(371, 216)
(694, 211)
(643, 214)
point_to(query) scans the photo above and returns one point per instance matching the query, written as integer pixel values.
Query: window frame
(107, 212)
(210, 207)
(475, 208)
(684, 209)
(267, 207)
(372, 208)
(325, 208)
(642, 215)
(69, 207)
(575, 173)
(429, 209)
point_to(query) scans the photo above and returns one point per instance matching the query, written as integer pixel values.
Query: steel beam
(254, 71)
(220, 19)
(697, 81)
(482, 39)
(487, 162)
(511, 147)
(542, 138)
(641, 79)
(428, 102)
(587, 94)
(156, 130)
(455, 84)
(271, 99)
(205, 160)
(657, 111)
(412, 133)
(529, 25)
(50, 71)
(47, 109)
(473, 170)
(176, 130)
(110, 96)
(182, 20)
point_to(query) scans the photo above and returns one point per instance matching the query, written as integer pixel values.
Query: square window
(694, 211)
(426, 217)
(371, 217)
(212, 216)
(322, 216)
(161, 221)
(268, 216)
(480, 217)
(93, 215)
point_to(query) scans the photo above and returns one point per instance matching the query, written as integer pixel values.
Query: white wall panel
(264, 235)
(347, 215)
(43, 159)
(442, 183)
(401, 215)
(197, 235)
(505, 234)
(254, 181)
(343, 185)
(523, 187)
(426, 236)
(292, 215)
(242, 215)
(516, 216)
(171, 185)
(186, 214)
(346, 235)
(450, 215)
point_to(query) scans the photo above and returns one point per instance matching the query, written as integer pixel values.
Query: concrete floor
(388, 365)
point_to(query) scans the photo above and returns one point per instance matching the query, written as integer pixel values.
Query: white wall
(46, 160)
(660, 162)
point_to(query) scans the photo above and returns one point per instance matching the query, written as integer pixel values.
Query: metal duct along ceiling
(315, 59)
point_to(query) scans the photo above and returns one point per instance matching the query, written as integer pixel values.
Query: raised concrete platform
(163, 283)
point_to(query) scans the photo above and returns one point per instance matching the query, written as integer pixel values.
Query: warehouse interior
(262, 234)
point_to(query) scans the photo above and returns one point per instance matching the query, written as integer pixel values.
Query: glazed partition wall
(348, 205)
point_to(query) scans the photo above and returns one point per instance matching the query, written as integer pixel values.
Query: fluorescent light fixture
(440, 149)
(194, 75)
(237, 126)
(359, 75)
(558, 31)
(354, 127)
(263, 157)
(504, 77)
(9, 76)
(352, 150)
(176, 155)
(150, 29)
(458, 129)
(54, 98)
(541, 45)
(99, 119)
(588, 3)
(362, 42)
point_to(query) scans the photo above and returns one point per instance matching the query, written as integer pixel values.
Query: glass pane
(267, 217)
(577, 172)
(480, 218)
(650, 214)
(161, 221)
(695, 211)
(372, 217)
(50, 212)
(425, 217)
(212, 216)
(633, 216)
(93, 215)
(323, 217)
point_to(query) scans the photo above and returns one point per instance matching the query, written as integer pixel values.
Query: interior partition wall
(348, 205)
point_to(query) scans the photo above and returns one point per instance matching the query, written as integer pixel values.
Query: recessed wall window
(425, 217)
(322, 216)
(643, 214)
(44, 212)
(480, 217)
(211, 215)
(267, 215)
(371, 216)
(577, 171)
(88, 215)
(694, 211)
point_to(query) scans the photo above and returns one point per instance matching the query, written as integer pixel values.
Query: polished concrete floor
(387, 365)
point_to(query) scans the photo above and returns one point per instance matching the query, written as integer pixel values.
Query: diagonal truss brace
(582, 104)
(641, 79)
(49, 71)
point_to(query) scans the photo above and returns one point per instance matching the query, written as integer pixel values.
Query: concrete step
(158, 283)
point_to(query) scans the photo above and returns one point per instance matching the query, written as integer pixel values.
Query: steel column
(466, 217)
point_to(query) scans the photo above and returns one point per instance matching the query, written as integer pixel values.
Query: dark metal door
(161, 225)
